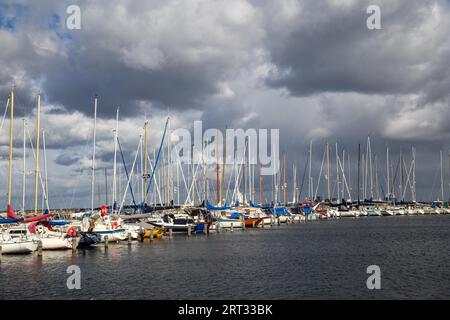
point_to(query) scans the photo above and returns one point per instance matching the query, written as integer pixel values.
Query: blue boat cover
(210, 207)
(281, 211)
(58, 222)
(261, 207)
(10, 220)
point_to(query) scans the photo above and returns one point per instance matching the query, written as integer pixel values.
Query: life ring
(114, 225)
(72, 232)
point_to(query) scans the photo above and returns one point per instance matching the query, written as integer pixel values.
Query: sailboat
(12, 241)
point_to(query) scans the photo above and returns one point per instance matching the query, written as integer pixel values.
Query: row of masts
(400, 177)
(10, 105)
(245, 174)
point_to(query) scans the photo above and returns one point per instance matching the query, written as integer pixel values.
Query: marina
(317, 260)
(166, 208)
(223, 157)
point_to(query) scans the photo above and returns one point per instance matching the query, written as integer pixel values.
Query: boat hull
(228, 223)
(58, 243)
(12, 247)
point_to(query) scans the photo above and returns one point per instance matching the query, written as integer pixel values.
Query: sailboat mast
(217, 169)
(45, 193)
(24, 121)
(168, 184)
(370, 168)
(93, 155)
(223, 165)
(114, 189)
(401, 174)
(145, 175)
(359, 169)
(193, 176)
(309, 175)
(414, 173)
(337, 174)
(36, 178)
(11, 125)
(284, 179)
(387, 170)
(328, 173)
(106, 186)
(442, 178)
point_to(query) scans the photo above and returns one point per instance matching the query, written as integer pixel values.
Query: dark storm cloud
(165, 56)
(328, 48)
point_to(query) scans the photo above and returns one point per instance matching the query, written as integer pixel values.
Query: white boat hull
(13, 247)
(57, 243)
(227, 223)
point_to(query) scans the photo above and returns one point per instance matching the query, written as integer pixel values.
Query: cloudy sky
(310, 68)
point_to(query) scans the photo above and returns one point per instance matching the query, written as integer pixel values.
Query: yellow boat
(157, 233)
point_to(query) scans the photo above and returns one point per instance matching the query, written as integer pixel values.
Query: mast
(193, 176)
(244, 176)
(168, 185)
(217, 169)
(93, 154)
(370, 167)
(114, 189)
(387, 170)
(337, 174)
(223, 165)
(414, 173)
(106, 186)
(309, 176)
(36, 178)
(343, 173)
(401, 173)
(11, 125)
(328, 173)
(359, 168)
(45, 193)
(442, 178)
(284, 179)
(377, 191)
(24, 121)
(294, 184)
(145, 175)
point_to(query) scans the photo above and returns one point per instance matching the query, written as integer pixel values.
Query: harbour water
(323, 260)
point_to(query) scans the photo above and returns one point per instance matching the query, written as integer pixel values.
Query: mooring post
(231, 227)
(106, 242)
(129, 238)
(189, 231)
(39, 248)
(271, 222)
(1, 253)
(170, 234)
(74, 244)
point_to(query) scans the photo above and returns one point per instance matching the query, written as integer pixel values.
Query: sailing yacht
(15, 239)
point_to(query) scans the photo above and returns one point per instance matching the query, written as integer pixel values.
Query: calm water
(325, 260)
